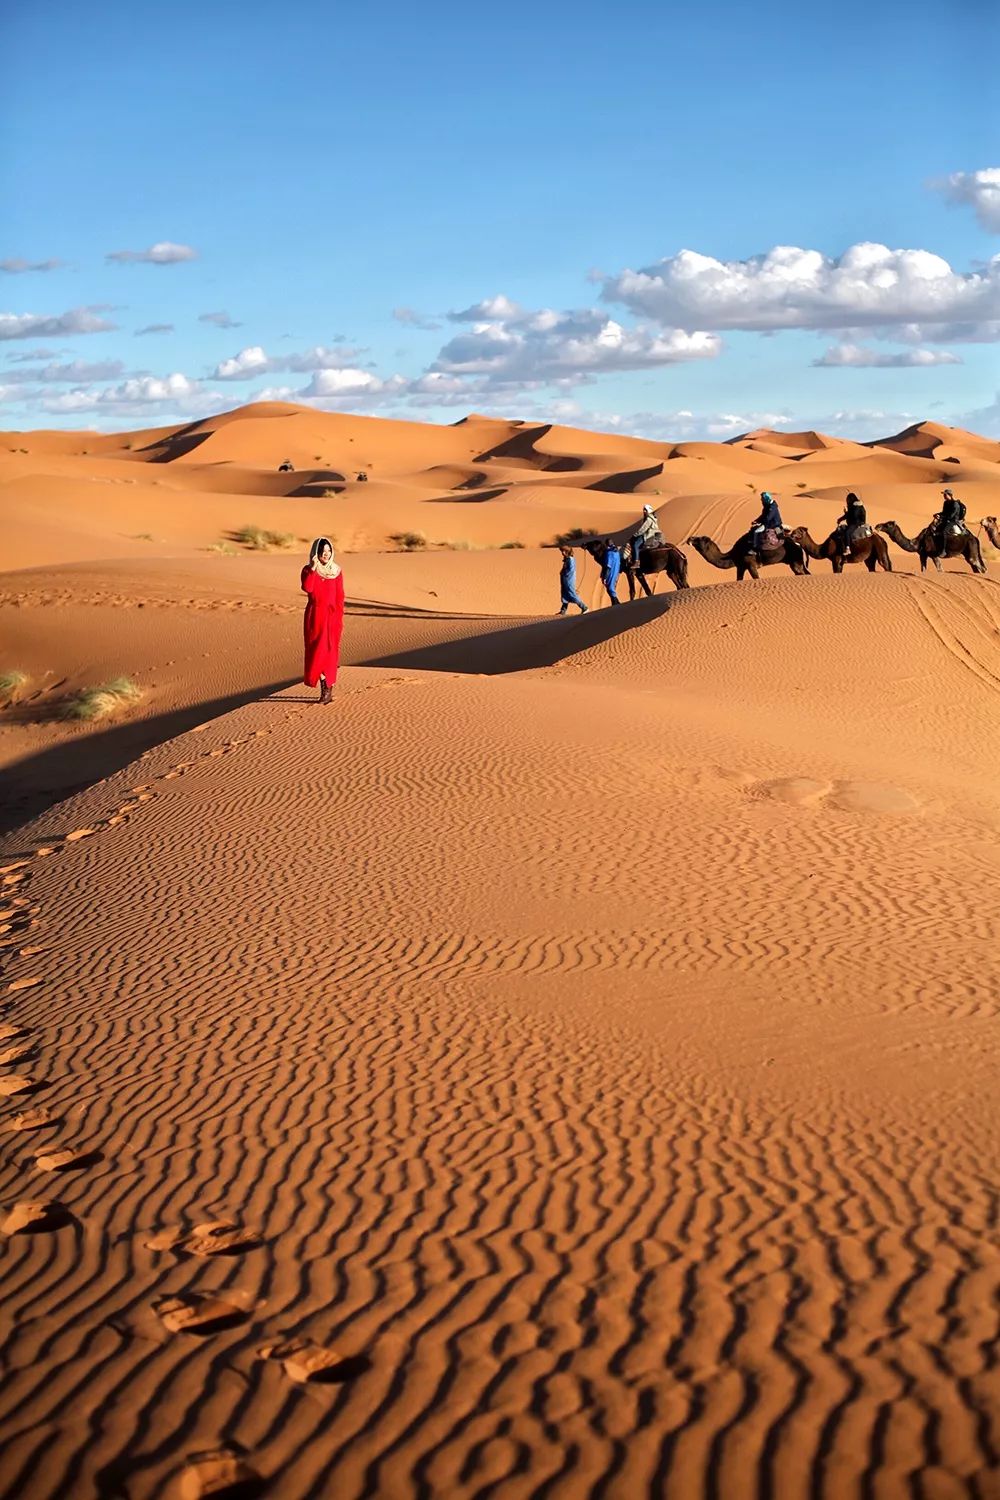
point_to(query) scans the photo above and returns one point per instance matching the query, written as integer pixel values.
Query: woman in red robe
(323, 581)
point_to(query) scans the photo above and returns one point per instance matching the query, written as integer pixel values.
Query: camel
(926, 544)
(742, 555)
(663, 558)
(872, 550)
(989, 525)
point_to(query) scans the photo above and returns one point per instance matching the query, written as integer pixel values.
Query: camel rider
(854, 520)
(646, 534)
(951, 517)
(769, 520)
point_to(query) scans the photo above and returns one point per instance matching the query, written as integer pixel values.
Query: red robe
(324, 623)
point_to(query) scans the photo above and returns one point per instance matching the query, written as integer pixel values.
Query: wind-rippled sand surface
(598, 1058)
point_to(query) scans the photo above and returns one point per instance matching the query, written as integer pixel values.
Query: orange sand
(564, 1066)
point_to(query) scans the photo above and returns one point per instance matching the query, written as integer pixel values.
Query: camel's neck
(718, 559)
(901, 540)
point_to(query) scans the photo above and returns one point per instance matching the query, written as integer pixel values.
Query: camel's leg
(937, 562)
(645, 586)
(870, 562)
(838, 563)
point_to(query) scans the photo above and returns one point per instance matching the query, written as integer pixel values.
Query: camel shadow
(524, 648)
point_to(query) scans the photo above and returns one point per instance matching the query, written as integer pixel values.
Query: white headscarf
(329, 569)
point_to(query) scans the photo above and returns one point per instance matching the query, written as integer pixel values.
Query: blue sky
(646, 216)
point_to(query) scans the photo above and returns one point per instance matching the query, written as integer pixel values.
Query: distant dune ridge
(566, 1065)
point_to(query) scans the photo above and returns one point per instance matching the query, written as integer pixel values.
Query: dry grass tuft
(409, 541)
(11, 684)
(100, 702)
(259, 540)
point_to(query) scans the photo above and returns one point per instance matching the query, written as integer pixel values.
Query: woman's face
(325, 553)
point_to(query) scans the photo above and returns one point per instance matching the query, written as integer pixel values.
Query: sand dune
(563, 1066)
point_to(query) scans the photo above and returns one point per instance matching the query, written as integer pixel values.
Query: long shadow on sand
(521, 648)
(32, 786)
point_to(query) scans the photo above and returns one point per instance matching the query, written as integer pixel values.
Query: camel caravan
(769, 543)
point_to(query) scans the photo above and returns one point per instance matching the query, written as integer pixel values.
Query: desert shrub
(575, 537)
(224, 549)
(143, 536)
(510, 546)
(461, 544)
(99, 702)
(11, 684)
(259, 540)
(409, 541)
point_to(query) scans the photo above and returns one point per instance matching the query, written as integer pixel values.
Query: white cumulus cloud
(546, 345)
(788, 287)
(254, 361)
(163, 253)
(497, 309)
(980, 190)
(243, 366)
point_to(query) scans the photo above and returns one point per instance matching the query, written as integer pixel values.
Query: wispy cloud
(15, 266)
(75, 372)
(154, 328)
(980, 190)
(31, 356)
(164, 253)
(220, 319)
(857, 356)
(53, 326)
(412, 319)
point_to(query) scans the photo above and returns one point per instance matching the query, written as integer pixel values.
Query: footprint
(798, 791)
(202, 1312)
(66, 1160)
(871, 796)
(17, 1053)
(17, 985)
(220, 1237)
(18, 1083)
(39, 1118)
(309, 1363)
(37, 1217)
(219, 1474)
